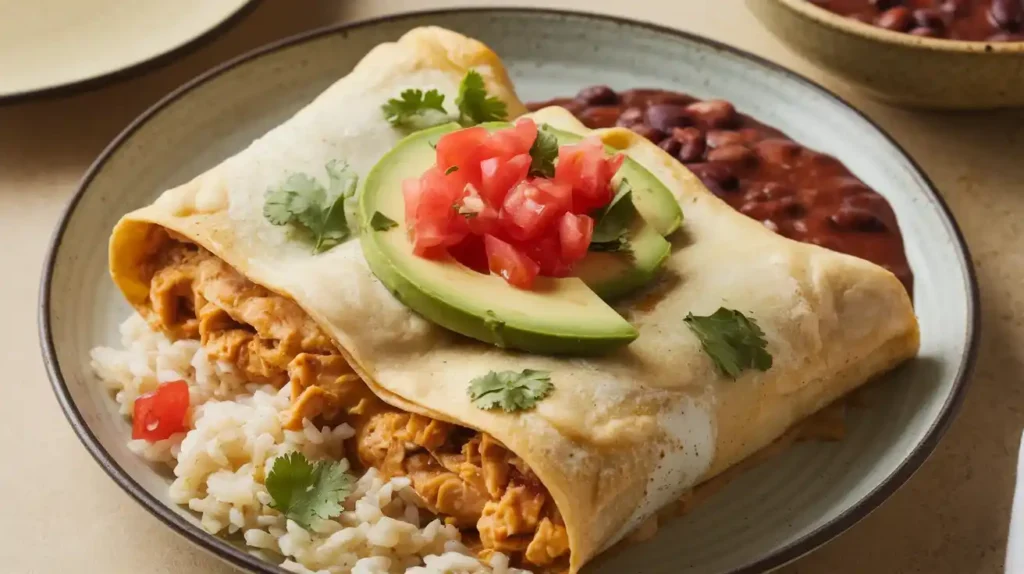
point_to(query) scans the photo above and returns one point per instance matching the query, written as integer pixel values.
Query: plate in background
(768, 516)
(49, 44)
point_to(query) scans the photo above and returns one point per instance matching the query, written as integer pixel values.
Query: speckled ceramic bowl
(767, 516)
(900, 68)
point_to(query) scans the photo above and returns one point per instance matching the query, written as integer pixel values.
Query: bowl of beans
(939, 54)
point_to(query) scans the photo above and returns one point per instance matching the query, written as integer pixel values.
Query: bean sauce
(971, 20)
(794, 191)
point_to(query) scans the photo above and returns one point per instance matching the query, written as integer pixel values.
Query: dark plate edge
(238, 557)
(138, 68)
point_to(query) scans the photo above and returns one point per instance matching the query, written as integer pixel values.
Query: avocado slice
(557, 316)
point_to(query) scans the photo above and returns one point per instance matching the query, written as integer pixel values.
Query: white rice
(235, 435)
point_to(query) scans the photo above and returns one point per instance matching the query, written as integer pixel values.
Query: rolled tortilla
(622, 435)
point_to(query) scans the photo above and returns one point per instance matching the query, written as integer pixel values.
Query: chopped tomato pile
(161, 413)
(482, 203)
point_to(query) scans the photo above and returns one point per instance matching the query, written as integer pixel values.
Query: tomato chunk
(574, 233)
(586, 168)
(434, 221)
(161, 413)
(510, 263)
(498, 176)
(511, 142)
(533, 205)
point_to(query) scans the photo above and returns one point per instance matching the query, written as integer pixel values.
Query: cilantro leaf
(611, 225)
(304, 203)
(381, 222)
(544, 151)
(416, 110)
(302, 490)
(475, 106)
(509, 390)
(733, 341)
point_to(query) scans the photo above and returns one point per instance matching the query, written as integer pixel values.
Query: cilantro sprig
(304, 490)
(611, 225)
(306, 205)
(733, 341)
(475, 106)
(544, 152)
(510, 390)
(416, 110)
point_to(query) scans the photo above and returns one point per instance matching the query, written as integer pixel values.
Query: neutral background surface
(61, 513)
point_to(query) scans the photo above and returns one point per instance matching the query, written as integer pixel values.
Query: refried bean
(794, 191)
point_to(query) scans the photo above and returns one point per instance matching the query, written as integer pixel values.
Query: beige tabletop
(60, 512)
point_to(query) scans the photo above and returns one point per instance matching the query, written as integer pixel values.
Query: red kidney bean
(664, 117)
(717, 177)
(735, 154)
(776, 190)
(856, 219)
(601, 116)
(791, 207)
(897, 19)
(713, 114)
(692, 143)
(924, 32)
(954, 8)
(930, 18)
(673, 98)
(719, 138)
(799, 226)
(655, 135)
(598, 96)
(629, 117)
(778, 151)
(671, 146)
(1006, 14)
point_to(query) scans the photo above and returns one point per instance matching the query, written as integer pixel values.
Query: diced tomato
(498, 176)
(453, 149)
(589, 171)
(533, 205)
(574, 233)
(471, 253)
(546, 252)
(434, 222)
(508, 143)
(510, 263)
(161, 413)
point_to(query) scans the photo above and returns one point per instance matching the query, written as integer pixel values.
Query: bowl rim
(849, 26)
(240, 558)
(154, 62)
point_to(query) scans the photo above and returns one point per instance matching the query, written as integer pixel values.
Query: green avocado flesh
(558, 315)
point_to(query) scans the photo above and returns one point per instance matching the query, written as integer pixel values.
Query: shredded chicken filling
(466, 476)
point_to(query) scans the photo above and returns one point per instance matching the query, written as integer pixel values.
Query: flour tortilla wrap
(622, 435)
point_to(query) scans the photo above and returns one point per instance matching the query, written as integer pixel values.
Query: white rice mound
(219, 466)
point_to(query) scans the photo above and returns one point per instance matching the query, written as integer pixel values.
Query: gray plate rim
(241, 559)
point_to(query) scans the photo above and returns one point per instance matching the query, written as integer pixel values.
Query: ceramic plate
(46, 44)
(769, 515)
